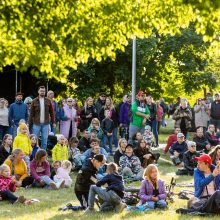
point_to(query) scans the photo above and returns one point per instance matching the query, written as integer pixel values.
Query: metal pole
(134, 69)
(16, 82)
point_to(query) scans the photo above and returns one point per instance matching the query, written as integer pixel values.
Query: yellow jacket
(23, 142)
(60, 152)
(20, 169)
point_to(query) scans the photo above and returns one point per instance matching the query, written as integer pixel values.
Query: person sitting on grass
(111, 196)
(171, 139)
(178, 149)
(60, 150)
(63, 174)
(189, 160)
(143, 153)
(84, 142)
(202, 143)
(40, 171)
(85, 178)
(7, 187)
(130, 164)
(34, 145)
(56, 164)
(148, 135)
(122, 143)
(215, 154)
(152, 192)
(6, 148)
(210, 135)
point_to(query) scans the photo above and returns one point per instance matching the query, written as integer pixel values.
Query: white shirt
(4, 117)
(210, 188)
(42, 110)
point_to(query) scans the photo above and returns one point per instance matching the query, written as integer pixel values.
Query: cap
(191, 143)
(23, 126)
(179, 135)
(140, 93)
(101, 158)
(129, 145)
(147, 127)
(204, 158)
(102, 93)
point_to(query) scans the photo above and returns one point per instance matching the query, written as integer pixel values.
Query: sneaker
(60, 184)
(89, 210)
(53, 185)
(120, 207)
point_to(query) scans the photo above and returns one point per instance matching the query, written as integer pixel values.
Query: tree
(53, 36)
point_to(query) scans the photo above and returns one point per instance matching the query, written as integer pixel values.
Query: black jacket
(215, 110)
(117, 156)
(201, 143)
(189, 160)
(115, 116)
(4, 154)
(107, 125)
(141, 152)
(208, 136)
(83, 181)
(153, 111)
(180, 148)
(84, 144)
(115, 183)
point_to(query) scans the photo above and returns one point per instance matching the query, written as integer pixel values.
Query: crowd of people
(83, 139)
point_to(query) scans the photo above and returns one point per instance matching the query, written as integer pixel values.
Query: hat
(102, 93)
(179, 135)
(147, 127)
(99, 157)
(59, 136)
(23, 126)
(204, 158)
(140, 93)
(129, 145)
(191, 143)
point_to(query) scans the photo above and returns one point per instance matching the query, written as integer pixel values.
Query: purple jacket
(38, 171)
(146, 191)
(124, 114)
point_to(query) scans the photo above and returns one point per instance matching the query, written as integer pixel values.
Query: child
(7, 186)
(60, 150)
(148, 135)
(56, 164)
(34, 145)
(22, 141)
(63, 174)
(152, 192)
(74, 153)
(21, 122)
(107, 126)
(111, 196)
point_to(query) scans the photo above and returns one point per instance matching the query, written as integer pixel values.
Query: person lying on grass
(152, 192)
(110, 197)
(7, 187)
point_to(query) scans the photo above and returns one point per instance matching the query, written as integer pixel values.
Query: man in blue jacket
(18, 110)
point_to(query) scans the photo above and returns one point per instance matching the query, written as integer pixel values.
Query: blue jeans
(14, 131)
(47, 180)
(44, 130)
(108, 140)
(153, 125)
(152, 205)
(115, 136)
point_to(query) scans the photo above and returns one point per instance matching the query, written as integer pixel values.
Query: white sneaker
(60, 184)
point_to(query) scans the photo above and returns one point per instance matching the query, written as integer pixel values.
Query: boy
(111, 196)
(107, 126)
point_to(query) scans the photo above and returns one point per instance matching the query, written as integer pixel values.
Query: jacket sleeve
(25, 174)
(122, 162)
(103, 181)
(122, 115)
(176, 115)
(2, 158)
(54, 153)
(12, 187)
(201, 182)
(62, 116)
(16, 143)
(51, 112)
(169, 143)
(33, 171)
(143, 193)
(67, 153)
(103, 127)
(163, 193)
(26, 113)
(104, 152)
(10, 114)
(172, 148)
(186, 162)
(83, 114)
(87, 153)
(100, 134)
(31, 115)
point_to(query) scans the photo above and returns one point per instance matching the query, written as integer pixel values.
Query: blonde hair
(148, 171)
(67, 165)
(96, 120)
(14, 154)
(3, 167)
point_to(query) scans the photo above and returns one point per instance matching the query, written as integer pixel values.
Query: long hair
(147, 173)
(5, 138)
(212, 133)
(119, 145)
(41, 153)
(34, 136)
(86, 103)
(15, 153)
(111, 103)
(213, 152)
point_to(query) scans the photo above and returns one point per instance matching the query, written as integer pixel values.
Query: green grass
(50, 200)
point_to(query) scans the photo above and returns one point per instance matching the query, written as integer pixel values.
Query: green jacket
(137, 120)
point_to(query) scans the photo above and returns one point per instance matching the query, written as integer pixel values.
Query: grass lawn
(50, 200)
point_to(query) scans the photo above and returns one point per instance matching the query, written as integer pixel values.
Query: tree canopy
(54, 36)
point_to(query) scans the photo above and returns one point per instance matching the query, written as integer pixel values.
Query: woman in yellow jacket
(60, 150)
(19, 169)
(23, 142)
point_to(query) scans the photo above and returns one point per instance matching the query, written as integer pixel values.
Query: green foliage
(53, 36)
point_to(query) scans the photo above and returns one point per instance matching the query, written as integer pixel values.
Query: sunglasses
(69, 101)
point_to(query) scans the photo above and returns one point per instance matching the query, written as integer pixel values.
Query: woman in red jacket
(171, 139)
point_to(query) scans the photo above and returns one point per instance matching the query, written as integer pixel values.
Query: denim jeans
(46, 180)
(14, 131)
(108, 140)
(44, 130)
(115, 137)
(8, 195)
(108, 197)
(152, 205)
(153, 125)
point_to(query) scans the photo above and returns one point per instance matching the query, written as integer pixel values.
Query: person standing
(100, 102)
(140, 114)
(215, 112)
(4, 122)
(50, 95)
(41, 114)
(17, 111)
